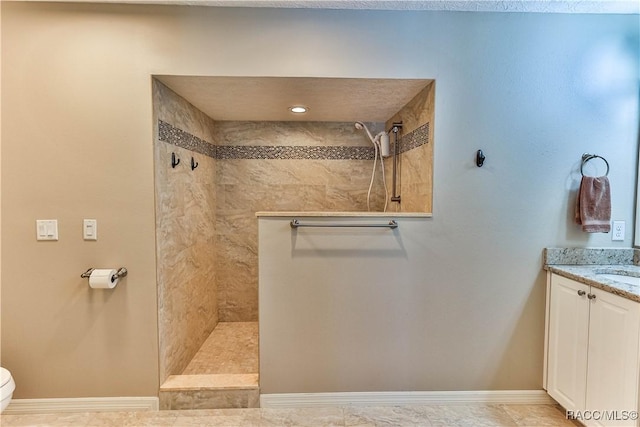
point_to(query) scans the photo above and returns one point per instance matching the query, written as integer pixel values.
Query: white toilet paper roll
(103, 278)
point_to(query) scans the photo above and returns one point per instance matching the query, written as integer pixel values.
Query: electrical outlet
(618, 231)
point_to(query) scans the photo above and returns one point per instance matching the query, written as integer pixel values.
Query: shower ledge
(354, 214)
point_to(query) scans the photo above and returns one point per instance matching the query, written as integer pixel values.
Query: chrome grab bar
(296, 224)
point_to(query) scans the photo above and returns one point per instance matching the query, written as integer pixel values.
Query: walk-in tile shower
(211, 177)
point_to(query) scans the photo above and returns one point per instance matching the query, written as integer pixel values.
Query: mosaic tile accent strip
(180, 138)
(296, 152)
(415, 139)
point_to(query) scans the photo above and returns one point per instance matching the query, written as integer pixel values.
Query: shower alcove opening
(214, 170)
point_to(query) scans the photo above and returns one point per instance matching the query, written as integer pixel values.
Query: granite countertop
(589, 275)
(585, 264)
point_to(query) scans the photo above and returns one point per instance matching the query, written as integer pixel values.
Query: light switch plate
(90, 229)
(618, 231)
(47, 229)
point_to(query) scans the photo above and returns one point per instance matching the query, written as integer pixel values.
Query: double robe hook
(175, 161)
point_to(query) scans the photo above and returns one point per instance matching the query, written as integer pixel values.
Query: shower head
(360, 126)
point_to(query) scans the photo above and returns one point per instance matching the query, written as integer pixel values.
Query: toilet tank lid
(5, 376)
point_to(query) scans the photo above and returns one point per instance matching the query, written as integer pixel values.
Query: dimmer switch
(90, 229)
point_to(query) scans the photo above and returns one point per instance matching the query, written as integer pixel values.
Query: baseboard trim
(301, 400)
(82, 404)
(291, 400)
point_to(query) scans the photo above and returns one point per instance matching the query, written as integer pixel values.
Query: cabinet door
(568, 338)
(613, 356)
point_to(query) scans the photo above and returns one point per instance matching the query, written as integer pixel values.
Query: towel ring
(586, 157)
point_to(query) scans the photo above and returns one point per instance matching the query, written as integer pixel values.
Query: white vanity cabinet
(592, 351)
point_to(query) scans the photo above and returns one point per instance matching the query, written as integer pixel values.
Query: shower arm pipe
(395, 197)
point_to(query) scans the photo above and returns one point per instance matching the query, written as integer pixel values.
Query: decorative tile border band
(415, 138)
(296, 152)
(180, 138)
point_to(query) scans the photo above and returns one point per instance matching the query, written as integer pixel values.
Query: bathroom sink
(621, 278)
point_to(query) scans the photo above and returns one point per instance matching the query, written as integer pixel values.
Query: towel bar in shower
(296, 223)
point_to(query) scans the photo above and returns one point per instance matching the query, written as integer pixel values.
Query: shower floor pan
(222, 374)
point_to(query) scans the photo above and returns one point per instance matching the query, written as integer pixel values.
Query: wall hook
(194, 164)
(174, 160)
(480, 158)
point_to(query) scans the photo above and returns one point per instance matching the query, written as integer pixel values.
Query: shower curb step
(213, 391)
(211, 382)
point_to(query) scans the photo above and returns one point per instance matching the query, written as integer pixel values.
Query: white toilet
(7, 385)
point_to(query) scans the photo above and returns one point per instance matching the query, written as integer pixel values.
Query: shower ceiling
(269, 98)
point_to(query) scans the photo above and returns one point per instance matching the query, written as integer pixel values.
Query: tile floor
(232, 348)
(396, 416)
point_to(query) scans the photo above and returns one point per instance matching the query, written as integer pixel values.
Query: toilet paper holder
(122, 272)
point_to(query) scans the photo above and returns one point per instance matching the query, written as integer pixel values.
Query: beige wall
(77, 142)
(73, 116)
(185, 234)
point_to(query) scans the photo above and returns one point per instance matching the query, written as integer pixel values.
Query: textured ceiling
(269, 98)
(541, 6)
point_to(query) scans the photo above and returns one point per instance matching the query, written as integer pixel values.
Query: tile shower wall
(185, 230)
(415, 163)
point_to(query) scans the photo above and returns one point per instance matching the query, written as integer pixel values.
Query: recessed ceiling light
(298, 109)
